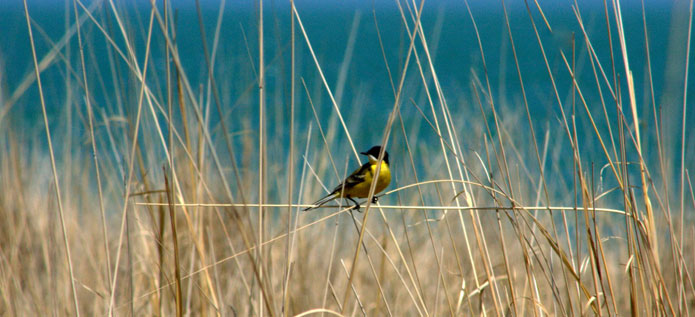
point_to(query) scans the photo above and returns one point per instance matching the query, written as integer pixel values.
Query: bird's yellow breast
(361, 190)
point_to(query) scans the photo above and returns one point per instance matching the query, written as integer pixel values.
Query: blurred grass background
(159, 162)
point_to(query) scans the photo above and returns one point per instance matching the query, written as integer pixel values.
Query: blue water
(367, 95)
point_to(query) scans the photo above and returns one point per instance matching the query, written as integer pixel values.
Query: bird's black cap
(375, 150)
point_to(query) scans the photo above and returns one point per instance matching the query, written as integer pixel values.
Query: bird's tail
(322, 201)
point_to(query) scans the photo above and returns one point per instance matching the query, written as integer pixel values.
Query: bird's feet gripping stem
(357, 205)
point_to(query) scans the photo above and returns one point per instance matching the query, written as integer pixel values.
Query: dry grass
(164, 196)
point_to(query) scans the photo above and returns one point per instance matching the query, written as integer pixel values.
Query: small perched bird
(358, 183)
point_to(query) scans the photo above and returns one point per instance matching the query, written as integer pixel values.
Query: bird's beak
(371, 157)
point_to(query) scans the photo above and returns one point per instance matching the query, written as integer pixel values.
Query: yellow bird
(358, 183)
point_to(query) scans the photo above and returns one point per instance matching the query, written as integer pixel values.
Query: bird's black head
(373, 154)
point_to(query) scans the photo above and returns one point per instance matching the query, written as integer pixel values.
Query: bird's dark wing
(355, 178)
